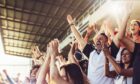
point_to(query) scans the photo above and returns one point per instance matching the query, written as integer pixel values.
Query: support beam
(28, 12)
(19, 55)
(25, 40)
(24, 32)
(17, 46)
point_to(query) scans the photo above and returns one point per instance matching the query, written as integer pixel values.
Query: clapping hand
(70, 20)
(36, 52)
(54, 44)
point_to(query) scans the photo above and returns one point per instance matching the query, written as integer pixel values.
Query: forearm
(129, 44)
(109, 29)
(53, 69)
(86, 38)
(106, 67)
(108, 73)
(112, 60)
(9, 79)
(99, 32)
(118, 69)
(72, 59)
(43, 71)
(122, 27)
(78, 37)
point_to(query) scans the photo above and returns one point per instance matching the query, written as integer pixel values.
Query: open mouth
(124, 59)
(132, 29)
(98, 43)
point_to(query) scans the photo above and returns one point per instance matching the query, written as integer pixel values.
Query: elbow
(110, 75)
(107, 74)
(120, 71)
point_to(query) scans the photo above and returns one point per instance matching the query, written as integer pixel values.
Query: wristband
(71, 24)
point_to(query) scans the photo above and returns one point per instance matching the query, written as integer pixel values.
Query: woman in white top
(123, 71)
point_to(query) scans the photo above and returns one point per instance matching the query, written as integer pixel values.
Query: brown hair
(75, 73)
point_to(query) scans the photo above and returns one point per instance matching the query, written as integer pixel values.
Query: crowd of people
(5, 78)
(92, 62)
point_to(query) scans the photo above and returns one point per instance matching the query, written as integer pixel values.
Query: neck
(98, 50)
(136, 38)
(126, 66)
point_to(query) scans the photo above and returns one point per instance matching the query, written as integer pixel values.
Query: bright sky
(14, 64)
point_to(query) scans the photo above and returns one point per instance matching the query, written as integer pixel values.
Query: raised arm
(1, 79)
(89, 30)
(106, 67)
(77, 35)
(109, 29)
(109, 73)
(55, 77)
(36, 52)
(71, 57)
(44, 70)
(53, 53)
(122, 26)
(37, 55)
(8, 77)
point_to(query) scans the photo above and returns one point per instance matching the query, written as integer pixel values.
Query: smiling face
(126, 57)
(101, 38)
(134, 27)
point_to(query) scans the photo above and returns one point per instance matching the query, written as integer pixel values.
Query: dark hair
(137, 22)
(131, 59)
(75, 73)
(84, 68)
(104, 35)
(33, 67)
(78, 55)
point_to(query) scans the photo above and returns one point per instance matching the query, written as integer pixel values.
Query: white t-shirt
(96, 70)
(122, 80)
(118, 57)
